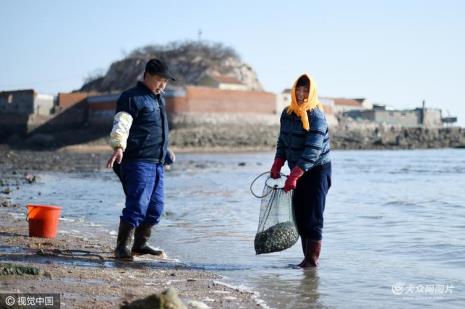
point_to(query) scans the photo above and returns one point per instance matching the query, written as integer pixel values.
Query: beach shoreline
(78, 263)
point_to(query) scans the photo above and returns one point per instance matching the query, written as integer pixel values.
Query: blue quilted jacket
(306, 149)
(148, 136)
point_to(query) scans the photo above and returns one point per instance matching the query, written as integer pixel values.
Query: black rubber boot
(140, 247)
(124, 241)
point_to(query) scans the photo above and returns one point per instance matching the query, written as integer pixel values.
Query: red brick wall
(66, 100)
(206, 100)
(213, 100)
(176, 105)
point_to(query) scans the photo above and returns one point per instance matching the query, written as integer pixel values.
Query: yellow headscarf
(309, 104)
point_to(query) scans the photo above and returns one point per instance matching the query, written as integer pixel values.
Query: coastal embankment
(258, 137)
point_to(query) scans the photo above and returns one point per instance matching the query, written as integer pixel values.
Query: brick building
(418, 117)
(22, 111)
(347, 104)
(25, 102)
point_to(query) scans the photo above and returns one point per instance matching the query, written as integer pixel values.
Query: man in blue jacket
(139, 139)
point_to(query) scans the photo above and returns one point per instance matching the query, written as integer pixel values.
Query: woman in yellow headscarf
(304, 143)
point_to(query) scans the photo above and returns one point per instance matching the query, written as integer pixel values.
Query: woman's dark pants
(309, 200)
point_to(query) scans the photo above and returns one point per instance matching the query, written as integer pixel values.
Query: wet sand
(80, 266)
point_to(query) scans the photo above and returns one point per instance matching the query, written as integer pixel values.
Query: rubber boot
(303, 240)
(124, 241)
(141, 247)
(313, 255)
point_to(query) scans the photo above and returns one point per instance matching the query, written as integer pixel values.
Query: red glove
(291, 181)
(276, 168)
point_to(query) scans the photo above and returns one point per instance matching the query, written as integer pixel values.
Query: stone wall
(260, 136)
(265, 137)
(399, 138)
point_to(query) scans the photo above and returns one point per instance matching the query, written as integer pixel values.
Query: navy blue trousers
(309, 199)
(143, 185)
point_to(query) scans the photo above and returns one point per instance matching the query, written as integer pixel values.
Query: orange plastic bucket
(43, 220)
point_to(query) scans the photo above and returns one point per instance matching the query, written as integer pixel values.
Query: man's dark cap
(158, 67)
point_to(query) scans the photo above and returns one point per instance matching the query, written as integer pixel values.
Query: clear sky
(393, 52)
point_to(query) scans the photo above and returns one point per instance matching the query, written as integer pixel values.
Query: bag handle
(275, 187)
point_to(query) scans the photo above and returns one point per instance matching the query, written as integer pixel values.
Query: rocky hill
(190, 61)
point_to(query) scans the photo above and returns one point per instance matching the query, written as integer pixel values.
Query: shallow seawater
(394, 231)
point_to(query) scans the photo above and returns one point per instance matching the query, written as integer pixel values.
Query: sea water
(394, 234)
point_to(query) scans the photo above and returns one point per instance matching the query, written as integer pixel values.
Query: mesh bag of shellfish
(276, 228)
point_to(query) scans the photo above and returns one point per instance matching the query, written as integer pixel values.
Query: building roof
(17, 91)
(348, 102)
(96, 99)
